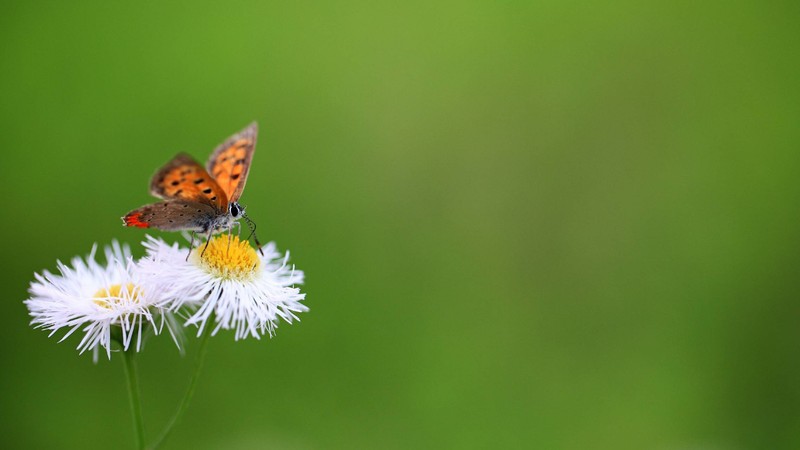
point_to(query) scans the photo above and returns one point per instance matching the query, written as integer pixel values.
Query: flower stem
(201, 356)
(129, 361)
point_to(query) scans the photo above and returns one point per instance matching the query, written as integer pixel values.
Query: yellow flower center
(228, 257)
(107, 297)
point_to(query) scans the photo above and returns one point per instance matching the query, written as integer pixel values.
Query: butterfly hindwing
(184, 179)
(230, 162)
(172, 215)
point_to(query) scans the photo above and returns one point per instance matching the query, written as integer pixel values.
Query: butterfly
(197, 199)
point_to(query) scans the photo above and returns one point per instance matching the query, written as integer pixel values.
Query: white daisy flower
(244, 291)
(106, 302)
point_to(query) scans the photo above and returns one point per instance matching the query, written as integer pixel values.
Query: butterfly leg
(191, 246)
(208, 240)
(238, 226)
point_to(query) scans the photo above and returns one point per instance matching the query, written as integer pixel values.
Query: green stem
(129, 361)
(201, 355)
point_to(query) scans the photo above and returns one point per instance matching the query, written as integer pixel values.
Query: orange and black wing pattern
(184, 179)
(230, 162)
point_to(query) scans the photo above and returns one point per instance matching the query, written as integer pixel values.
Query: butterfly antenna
(252, 226)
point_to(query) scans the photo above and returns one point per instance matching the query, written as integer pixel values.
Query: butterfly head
(224, 222)
(235, 210)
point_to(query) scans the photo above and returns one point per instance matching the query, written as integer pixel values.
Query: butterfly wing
(172, 215)
(230, 162)
(184, 179)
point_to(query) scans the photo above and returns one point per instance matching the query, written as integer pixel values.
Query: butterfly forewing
(172, 215)
(184, 179)
(230, 162)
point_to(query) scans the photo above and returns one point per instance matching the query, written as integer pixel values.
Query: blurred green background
(557, 225)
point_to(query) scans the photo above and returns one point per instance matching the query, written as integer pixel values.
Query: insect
(197, 199)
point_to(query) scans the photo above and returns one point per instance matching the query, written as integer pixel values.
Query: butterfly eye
(234, 210)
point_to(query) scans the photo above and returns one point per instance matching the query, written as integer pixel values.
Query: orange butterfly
(197, 199)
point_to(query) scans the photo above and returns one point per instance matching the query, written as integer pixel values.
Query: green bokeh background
(557, 225)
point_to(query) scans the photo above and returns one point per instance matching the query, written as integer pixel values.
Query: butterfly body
(194, 199)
